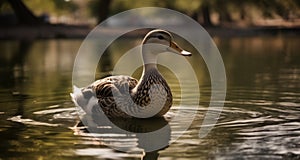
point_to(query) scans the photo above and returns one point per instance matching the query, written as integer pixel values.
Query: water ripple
(27, 121)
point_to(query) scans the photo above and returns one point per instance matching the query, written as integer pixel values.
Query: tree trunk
(224, 14)
(243, 13)
(24, 15)
(206, 14)
(103, 10)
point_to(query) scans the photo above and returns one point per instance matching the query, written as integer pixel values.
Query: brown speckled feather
(124, 96)
(107, 88)
(142, 96)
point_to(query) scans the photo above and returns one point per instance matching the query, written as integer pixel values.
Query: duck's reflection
(128, 135)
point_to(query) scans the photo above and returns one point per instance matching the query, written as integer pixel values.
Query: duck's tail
(75, 95)
(84, 98)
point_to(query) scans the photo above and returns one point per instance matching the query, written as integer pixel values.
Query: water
(260, 119)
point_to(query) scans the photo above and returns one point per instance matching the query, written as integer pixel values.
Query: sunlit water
(260, 119)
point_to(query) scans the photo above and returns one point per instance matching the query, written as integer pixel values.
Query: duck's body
(124, 96)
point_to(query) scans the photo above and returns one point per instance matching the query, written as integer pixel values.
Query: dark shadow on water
(136, 125)
(13, 67)
(151, 135)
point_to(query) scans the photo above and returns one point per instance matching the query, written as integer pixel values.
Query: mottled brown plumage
(124, 96)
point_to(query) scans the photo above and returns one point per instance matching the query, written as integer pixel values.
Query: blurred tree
(222, 8)
(100, 9)
(268, 8)
(203, 10)
(200, 10)
(29, 11)
(284, 9)
(53, 7)
(23, 14)
(206, 10)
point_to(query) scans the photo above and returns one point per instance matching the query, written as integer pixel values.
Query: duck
(126, 97)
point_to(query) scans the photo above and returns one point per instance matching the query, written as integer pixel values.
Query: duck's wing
(101, 93)
(108, 89)
(113, 86)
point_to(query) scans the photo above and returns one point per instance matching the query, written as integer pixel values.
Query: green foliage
(93, 7)
(187, 6)
(122, 5)
(226, 10)
(53, 7)
(269, 8)
(5, 7)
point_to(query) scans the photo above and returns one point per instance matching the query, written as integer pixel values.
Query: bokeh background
(258, 41)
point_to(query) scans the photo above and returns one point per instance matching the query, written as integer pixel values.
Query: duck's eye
(160, 37)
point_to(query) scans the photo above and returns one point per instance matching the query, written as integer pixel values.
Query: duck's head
(159, 41)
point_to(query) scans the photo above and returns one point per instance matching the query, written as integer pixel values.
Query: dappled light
(258, 41)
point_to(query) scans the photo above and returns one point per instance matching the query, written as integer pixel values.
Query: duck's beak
(176, 49)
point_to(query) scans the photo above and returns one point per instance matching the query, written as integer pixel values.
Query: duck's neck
(149, 61)
(149, 68)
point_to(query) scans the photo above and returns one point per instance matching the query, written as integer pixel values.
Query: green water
(260, 119)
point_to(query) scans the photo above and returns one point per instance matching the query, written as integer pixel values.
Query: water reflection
(127, 135)
(260, 117)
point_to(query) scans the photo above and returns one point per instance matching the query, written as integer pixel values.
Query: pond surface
(260, 119)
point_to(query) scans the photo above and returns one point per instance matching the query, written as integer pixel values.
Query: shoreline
(59, 31)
